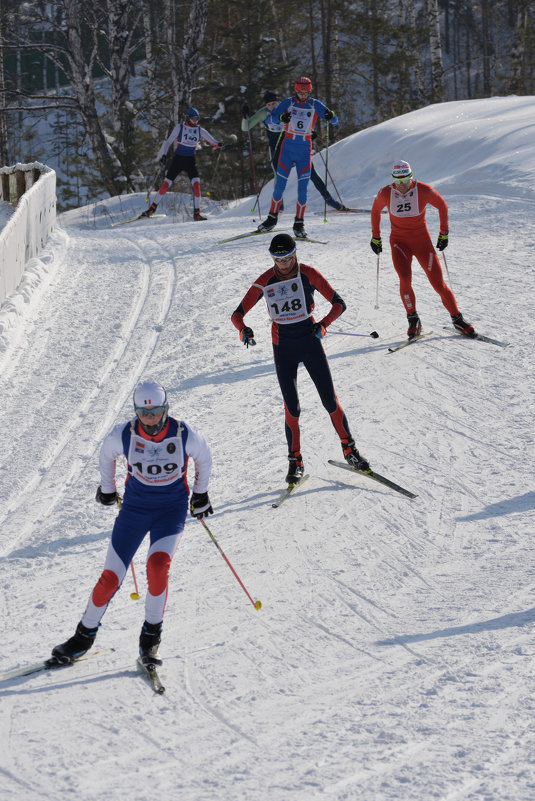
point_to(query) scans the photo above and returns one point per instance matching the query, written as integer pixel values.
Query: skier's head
(283, 251)
(151, 407)
(401, 172)
(270, 97)
(192, 115)
(303, 86)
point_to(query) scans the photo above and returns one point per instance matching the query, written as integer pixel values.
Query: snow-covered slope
(393, 658)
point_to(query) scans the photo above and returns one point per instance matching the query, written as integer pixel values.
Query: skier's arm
(209, 138)
(250, 299)
(199, 450)
(258, 116)
(111, 448)
(167, 144)
(324, 112)
(427, 194)
(381, 200)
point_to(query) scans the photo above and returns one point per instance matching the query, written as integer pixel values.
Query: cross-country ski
(375, 477)
(289, 491)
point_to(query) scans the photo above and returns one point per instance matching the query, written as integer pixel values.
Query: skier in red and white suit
(406, 200)
(157, 448)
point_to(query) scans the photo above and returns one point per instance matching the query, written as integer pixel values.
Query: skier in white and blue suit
(157, 448)
(299, 114)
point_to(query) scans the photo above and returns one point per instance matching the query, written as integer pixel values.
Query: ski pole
(326, 172)
(373, 334)
(133, 595)
(256, 604)
(253, 169)
(447, 271)
(265, 178)
(214, 173)
(151, 185)
(377, 286)
(332, 179)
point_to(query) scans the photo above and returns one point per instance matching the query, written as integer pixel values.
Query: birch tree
(435, 48)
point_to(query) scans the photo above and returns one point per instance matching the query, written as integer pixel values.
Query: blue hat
(192, 112)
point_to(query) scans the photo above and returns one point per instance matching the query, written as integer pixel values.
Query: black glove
(220, 146)
(200, 505)
(329, 114)
(106, 498)
(442, 241)
(318, 330)
(245, 111)
(247, 336)
(376, 245)
(285, 116)
(163, 160)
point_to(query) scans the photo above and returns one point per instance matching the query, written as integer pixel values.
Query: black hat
(270, 97)
(282, 245)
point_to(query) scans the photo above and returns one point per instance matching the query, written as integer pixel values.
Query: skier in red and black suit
(288, 288)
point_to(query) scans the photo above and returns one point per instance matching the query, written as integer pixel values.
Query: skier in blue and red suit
(288, 288)
(299, 114)
(157, 448)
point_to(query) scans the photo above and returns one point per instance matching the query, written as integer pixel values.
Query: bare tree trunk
(516, 83)
(172, 55)
(435, 47)
(278, 31)
(81, 71)
(149, 62)
(326, 17)
(486, 46)
(121, 25)
(189, 62)
(407, 16)
(314, 75)
(3, 121)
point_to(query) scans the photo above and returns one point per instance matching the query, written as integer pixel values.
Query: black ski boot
(150, 211)
(149, 640)
(269, 223)
(299, 229)
(353, 457)
(197, 216)
(415, 326)
(295, 468)
(76, 646)
(466, 329)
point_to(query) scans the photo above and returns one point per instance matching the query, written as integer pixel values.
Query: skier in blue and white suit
(299, 114)
(157, 448)
(187, 137)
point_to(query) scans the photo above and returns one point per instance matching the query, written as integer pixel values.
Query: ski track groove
(65, 450)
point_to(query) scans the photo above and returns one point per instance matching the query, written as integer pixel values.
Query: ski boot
(295, 468)
(150, 211)
(76, 646)
(269, 223)
(198, 216)
(466, 329)
(149, 640)
(415, 326)
(353, 457)
(299, 229)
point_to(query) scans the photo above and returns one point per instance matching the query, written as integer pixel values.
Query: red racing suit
(409, 236)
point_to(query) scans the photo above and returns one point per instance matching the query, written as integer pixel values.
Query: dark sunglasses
(144, 411)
